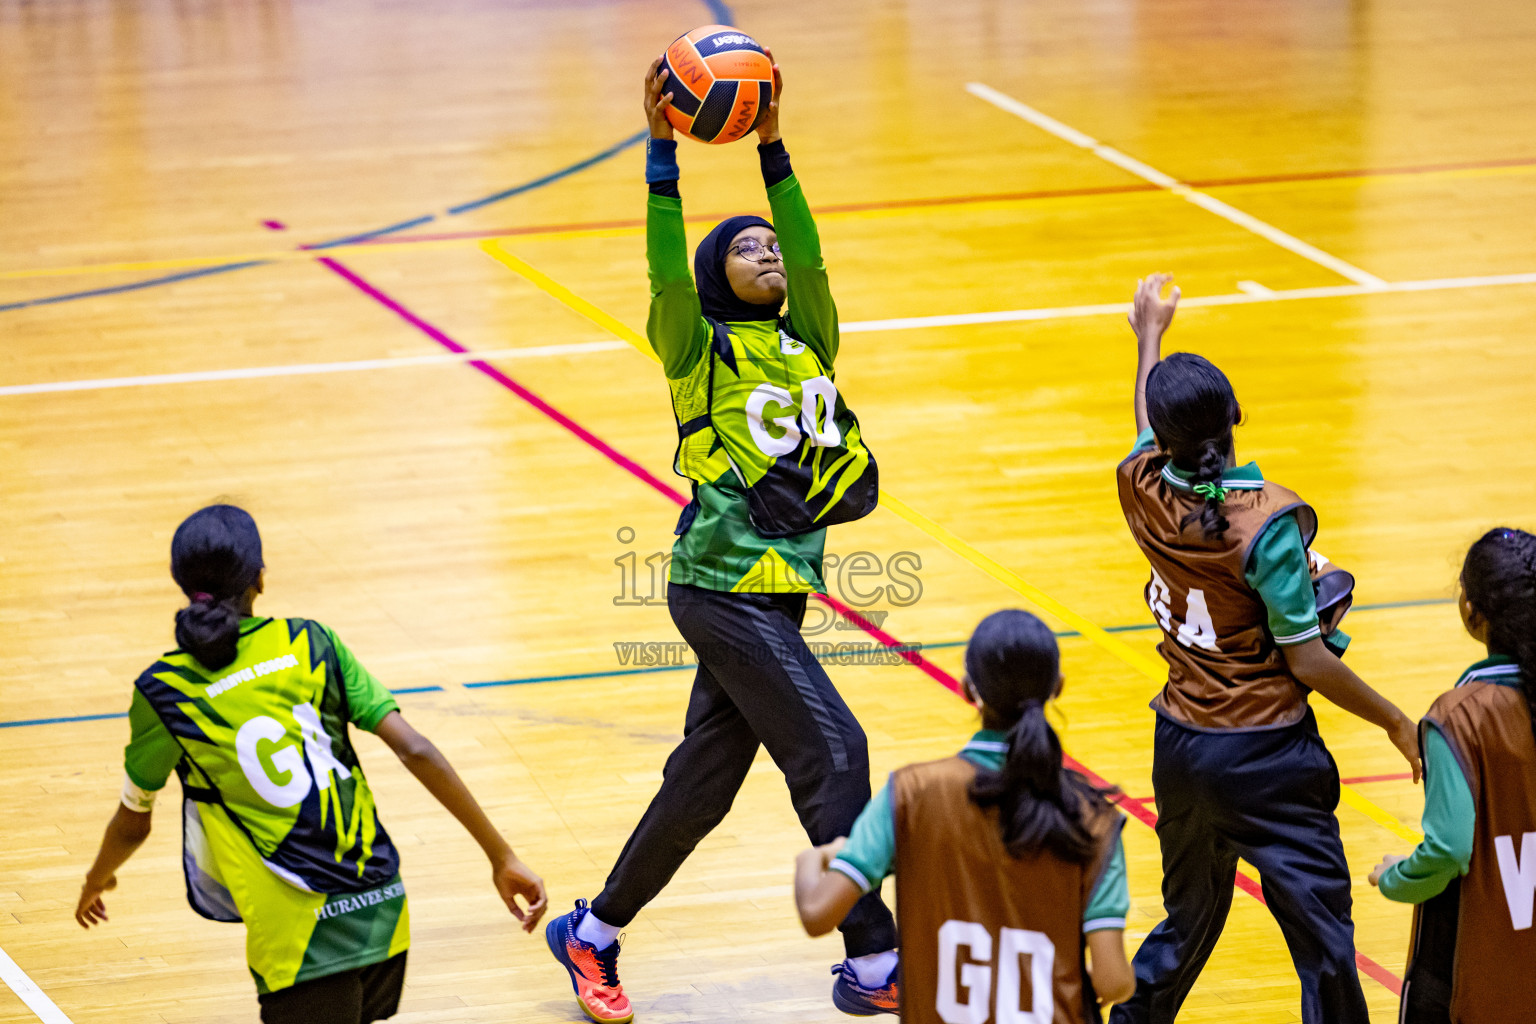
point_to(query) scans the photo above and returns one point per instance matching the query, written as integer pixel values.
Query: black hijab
(716, 296)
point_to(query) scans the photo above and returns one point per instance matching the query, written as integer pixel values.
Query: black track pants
(757, 683)
(1267, 797)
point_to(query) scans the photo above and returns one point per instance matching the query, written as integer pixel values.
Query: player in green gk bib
(279, 828)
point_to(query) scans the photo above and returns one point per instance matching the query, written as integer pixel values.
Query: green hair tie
(1211, 492)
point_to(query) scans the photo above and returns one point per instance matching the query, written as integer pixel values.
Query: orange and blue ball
(721, 82)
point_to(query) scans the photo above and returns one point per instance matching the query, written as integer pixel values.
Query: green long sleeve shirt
(1450, 819)
(720, 550)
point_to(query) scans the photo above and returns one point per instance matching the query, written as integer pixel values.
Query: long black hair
(1499, 577)
(1013, 663)
(1192, 409)
(215, 559)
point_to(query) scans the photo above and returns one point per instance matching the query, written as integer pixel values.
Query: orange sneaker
(594, 973)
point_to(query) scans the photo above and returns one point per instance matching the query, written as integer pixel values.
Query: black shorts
(358, 996)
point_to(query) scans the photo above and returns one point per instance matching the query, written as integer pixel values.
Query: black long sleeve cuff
(775, 162)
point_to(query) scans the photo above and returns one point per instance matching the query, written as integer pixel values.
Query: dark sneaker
(854, 999)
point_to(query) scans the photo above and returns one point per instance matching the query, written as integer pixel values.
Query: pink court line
(1135, 808)
(1395, 777)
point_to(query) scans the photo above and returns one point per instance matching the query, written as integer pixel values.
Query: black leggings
(757, 683)
(359, 996)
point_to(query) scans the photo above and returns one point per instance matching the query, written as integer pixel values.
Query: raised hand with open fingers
(657, 100)
(1151, 314)
(768, 124)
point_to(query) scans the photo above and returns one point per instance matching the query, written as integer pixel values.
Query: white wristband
(136, 798)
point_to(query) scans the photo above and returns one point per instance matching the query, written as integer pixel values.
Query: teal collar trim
(1497, 669)
(989, 743)
(1238, 478)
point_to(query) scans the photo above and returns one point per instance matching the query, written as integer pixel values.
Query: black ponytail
(1192, 409)
(1013, 663)
(1499, 577)
(215, 559)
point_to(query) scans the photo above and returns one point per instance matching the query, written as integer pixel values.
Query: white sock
(596, 932)
(873, 971)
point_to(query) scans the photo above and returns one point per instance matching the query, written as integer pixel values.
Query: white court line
(1004, 316)
(1206, 202)
(303, 369)
(39, 1003)
(1234, 299)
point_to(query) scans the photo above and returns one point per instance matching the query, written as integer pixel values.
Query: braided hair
(1499, 577)
(215, 559)
(1192, 409)
(1013, 663)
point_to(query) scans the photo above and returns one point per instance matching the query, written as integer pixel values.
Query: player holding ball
(775, 456)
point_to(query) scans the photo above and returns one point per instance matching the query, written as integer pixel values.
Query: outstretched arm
(675, 326)
(126, 832)
(1151, 314)
(510, 875)
(1316, 666)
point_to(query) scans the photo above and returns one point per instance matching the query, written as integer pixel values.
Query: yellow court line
(1105, 640)
(560, 293)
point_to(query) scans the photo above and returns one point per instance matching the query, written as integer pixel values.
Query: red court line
(1364, 172)
(980, 197)
(1135, 808)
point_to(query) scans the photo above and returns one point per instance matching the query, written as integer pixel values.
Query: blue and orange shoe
(856, 1000)
(594, 973)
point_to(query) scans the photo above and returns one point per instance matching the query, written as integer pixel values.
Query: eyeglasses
(753, 251)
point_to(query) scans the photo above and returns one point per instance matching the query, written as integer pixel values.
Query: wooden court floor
(1345, 191)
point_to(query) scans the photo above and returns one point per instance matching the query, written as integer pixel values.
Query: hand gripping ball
(721, 82)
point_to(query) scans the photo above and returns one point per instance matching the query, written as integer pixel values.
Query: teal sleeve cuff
(1110, 903)
(870, 852)
(1279, 571)
(1450, 821)
(1144, 440)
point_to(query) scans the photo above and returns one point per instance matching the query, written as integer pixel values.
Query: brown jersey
(985, 936)
(1488, 727)
(1225, 670)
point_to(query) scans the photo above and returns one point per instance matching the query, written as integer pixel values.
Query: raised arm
(812, 313)
(675, 326)
(1150, 316)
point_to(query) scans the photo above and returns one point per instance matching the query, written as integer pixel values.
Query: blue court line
(548, 179)
(133, 286)
(1137, 627)
(720, 12)
(364, 236)
(123, 714)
